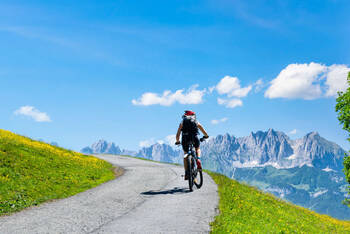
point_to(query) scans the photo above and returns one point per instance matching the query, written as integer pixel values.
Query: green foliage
(244, 209)
(33, 172)
(343, 109)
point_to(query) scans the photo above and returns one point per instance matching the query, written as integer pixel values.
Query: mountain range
(305, 171)
(104, 147)
(271, 148)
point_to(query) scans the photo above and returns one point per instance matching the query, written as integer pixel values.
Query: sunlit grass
(32, 172)
(245, 209)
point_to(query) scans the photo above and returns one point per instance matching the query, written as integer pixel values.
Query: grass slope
(32, 172)
(245, 209)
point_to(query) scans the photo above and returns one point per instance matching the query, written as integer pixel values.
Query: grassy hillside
(32, 172)
(245, 209)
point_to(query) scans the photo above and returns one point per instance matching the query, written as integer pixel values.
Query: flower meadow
(32, 172)
(245, 209)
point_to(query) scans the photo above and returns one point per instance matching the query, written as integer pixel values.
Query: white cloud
(297, 81)
(230, 103)
(192, 96)
(171, 139)
(217, 121)
(147, 143)
(211, 89)
(305, 81)
(33, 113)
(231, 86)
(259, 84)
(336, 79)
(293, 132)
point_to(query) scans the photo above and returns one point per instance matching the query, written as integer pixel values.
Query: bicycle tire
(200, 177)
(190, 172)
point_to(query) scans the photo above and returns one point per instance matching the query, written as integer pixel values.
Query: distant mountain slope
(273, 148)
(161, 152)
(104, 147)
(320, 190)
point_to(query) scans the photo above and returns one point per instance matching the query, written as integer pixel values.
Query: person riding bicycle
(189, 127)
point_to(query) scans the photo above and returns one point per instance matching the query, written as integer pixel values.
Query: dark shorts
(186, 139)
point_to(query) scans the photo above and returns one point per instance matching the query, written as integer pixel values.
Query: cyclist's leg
(199, 163)
(196, 144)
(198, 152)
(185, 160)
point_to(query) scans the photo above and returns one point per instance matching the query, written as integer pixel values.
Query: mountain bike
(195, 175)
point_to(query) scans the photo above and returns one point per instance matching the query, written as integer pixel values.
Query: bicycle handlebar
(204, 138)
(201, 140)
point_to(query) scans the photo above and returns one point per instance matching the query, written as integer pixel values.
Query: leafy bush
(343, 109)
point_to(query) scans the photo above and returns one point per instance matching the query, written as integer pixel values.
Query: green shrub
(343, 109)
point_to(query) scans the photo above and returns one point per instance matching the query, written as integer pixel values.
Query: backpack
(189, 125)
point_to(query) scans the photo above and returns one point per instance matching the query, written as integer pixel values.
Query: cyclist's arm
(202, 130)
(178, 133)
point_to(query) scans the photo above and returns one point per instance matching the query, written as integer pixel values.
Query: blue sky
(75, 72)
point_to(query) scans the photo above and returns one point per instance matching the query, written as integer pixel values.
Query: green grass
(245, 209)
(32, 172)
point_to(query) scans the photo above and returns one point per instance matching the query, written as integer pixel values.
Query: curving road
(148, 198)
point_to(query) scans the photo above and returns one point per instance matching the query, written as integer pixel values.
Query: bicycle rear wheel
(198, 180)
(190, 172)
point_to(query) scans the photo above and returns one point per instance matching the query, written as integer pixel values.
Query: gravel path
(148, 198)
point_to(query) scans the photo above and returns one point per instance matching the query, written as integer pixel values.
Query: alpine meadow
(214, 116)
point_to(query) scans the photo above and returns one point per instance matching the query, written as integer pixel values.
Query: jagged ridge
(272, 147)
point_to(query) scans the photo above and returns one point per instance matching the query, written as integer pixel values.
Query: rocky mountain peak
(102, 147)
(313, 135)
(275, 148)
(270, 131)
(161, 152)
(228, 138)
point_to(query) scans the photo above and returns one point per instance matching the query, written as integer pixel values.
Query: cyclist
(189, 127)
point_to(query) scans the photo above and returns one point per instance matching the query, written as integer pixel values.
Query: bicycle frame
(192, 150)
